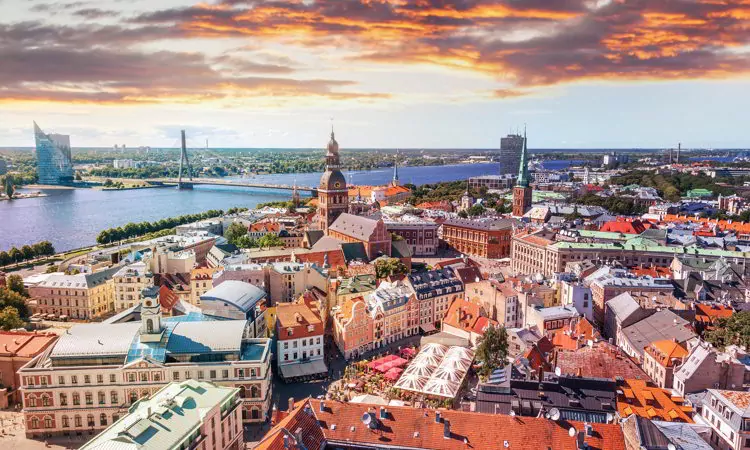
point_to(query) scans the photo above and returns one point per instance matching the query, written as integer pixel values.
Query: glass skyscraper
(53, 162)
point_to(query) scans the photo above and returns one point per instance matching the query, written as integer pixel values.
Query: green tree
(245, 242)
(270, 240)
(234, 232)
(463, 214)
(14, 299)
(16, 255)
(475, 210)
(28, 252)
(14, 283)
(492, 349)
(4, 258)
(385, 267)
(10, 319)
(734, 330)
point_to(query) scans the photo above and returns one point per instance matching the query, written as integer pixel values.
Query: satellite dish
(558, 372)
(366, 418)
(512, 413)
(572, 431)
(554, 414)
(671, 446)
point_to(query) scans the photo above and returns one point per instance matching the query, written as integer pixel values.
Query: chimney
(446, 429)
(291, 404)
(437, 416)
(322, 406)
(298, 436)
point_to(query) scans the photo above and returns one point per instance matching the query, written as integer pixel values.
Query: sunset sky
(391, 73)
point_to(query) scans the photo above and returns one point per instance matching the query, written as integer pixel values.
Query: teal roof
(604, 235)
(643, 244)
(523, 167)
(170, 419)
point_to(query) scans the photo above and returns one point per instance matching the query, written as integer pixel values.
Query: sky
(384, 73)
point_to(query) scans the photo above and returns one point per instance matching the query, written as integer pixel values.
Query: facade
(53, 159)
(498, 300)
(548, 319)
(128, 284)
(579, 296)
(726, 412)
(420, 234)
(349, 288)
(255, 274)
(394, 313)
(287, 281)
(201, 281)
(18, 348)
(659, 326)
(660, 359)
(493, 182)
(607, 283)
(510, 153)
(705, 367)
(485, 238)
(300, 342)
(467, 320)
(371, 233)
(96, 371)
(181, 415)
(352, 327)
(435, 291)
(82, 296)
(333, 195)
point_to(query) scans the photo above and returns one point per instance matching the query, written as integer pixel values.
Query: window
(212, 374)
(225, 373)
(187, 374)
(175, 376)
(34, 422)
(61, 380)
(48, 422)
(90, 420)
(144, 376)
(63, 399)
(133, 397)
(112, 378)
(45, 400)
(200, 374)
(43, 380)
(89, 398)
(241, 373)
(87, 379)
(100, 379)
(317, 341)
(73, 379)
(103, 419)
(113, 397)
(76, 398)
(286, 345)
(102, 398)
(157, 376)
(31, 401)
(77, 421)
(65, 422)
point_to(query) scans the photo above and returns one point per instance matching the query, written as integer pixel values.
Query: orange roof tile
(298, 317)
(406, 427)
(667, 352)
(740, 399)
(713, 312)
(651, 402)
(568, 338)
(24, 344)
(604, 360)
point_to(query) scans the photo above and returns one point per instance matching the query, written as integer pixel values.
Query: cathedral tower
(522, 190)
(333, 195)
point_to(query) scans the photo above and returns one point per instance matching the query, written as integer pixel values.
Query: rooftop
(601, 360)
(240, 294)
(24, 344)
(166, 420)
(651, 402)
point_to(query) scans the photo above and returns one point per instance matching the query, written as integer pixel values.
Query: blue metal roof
(238, 293)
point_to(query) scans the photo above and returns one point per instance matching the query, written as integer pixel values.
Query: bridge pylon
(184, 161)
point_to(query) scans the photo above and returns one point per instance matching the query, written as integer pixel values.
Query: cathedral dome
(333, 180)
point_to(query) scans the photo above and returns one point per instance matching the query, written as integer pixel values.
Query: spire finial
(331, 126)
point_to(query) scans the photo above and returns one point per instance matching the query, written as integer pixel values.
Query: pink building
(353, 328)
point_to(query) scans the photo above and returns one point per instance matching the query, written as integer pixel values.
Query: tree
(16, 255)
(270, 240)
(10, 319)
(15, 283)
(10, 298)
(728, 331)
(463, 214)
(235, 231)
(28, 252)
(385, 267)
(245, 242)
(492, 349)
(4, 258)
(475, 210)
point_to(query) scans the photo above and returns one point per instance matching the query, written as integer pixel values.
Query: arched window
(90, 420)
(45, 400)
(102, 397)
(31, 400)
(34, 422)
(242, 392)
(65, 422)
(48, 422)
(77, 421)
(254, 413)
(103, 419)
(133, 397)
(89, 398)
(113, 397)
(144, 394)
(149, 326)
(254, 391)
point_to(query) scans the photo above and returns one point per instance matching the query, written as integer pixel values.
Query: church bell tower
(522, 191)
(151, 326)
(333, 195)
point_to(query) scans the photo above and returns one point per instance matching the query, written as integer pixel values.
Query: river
(72, 218)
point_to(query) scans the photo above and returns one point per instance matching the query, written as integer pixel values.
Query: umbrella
(394, 373)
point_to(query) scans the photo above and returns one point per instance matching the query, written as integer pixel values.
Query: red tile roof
(167, 298)
(667, 352)
(415, 428)
(626, 226)
(467, 316)
(709, 313)
(336, 258)
(300, 318)
(603, 361)
(24, 344)
(574, 335)
(654, 403)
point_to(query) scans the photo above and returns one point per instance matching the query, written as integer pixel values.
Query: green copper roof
(523, 168)
(647, 245)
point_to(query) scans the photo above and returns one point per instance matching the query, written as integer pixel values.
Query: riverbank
(23, 195)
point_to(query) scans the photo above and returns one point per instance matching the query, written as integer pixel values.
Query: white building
(726, 412)
(96, 371)
(188, 414)
(123, 163)
(579, 296)
(300, 341)
(128, 284)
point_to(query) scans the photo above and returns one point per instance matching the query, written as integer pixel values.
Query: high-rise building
(333, 195)
(510, 153)
(522, 192)
(54, 163)
(3, 167)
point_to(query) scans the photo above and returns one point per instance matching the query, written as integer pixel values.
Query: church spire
(523, 167)
(395, 170)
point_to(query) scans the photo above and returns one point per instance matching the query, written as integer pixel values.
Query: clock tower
(333, 195)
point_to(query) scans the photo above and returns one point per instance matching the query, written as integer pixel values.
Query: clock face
(148, 302)
(337, 185)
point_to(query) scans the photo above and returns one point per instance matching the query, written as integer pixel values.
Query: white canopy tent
(437, 370)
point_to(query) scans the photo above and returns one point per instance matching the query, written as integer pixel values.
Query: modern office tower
(54, 163)
(510, 153)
